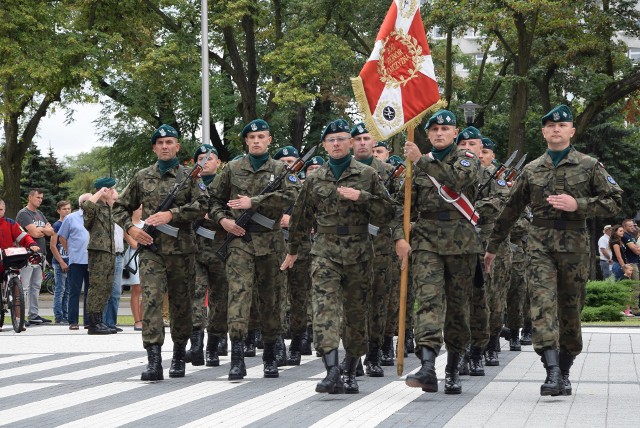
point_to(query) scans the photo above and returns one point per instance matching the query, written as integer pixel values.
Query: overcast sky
(71, 139)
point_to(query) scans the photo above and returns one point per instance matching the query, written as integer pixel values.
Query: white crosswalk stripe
(53, 364)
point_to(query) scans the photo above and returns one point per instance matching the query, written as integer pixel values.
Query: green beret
(339, 125)
(316, 160)
(164, 131)
(381, 144)
(395, 160)
(237, 157)
(470, 133)
(204, 148)
(442, 117)
(107, 182)
(255, 126)
(360, 128)
(560, 113)
(302, 175)
(285, 152)
(488, 144)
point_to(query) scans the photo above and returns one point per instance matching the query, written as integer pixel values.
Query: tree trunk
(297, 126)
(448, 79)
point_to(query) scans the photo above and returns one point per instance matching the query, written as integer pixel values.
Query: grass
(627, 322)
(124, 320)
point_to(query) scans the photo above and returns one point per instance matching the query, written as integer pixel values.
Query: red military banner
(397, 85)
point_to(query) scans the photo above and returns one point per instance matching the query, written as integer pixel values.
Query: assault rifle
(501, 169)
(249, 214)
(164, 206)
(396, 172)
(515, 171)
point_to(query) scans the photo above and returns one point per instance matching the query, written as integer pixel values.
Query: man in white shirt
(605, 253)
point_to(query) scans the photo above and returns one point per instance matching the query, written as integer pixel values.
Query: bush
(601, 313)
(606, 300)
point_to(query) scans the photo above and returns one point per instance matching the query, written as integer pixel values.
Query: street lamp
(469, 108)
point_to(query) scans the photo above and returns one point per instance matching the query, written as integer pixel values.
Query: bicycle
(11, 296)
(48, 278)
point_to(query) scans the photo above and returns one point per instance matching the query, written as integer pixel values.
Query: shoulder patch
(501, 183)
(469, 155)
(293, 179)
(465, 162)
(202, 186)
(611, 180)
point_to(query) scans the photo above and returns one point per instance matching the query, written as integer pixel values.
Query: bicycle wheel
(16, 304)
(49, 282)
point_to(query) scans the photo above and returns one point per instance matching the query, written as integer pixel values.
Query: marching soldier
(342, 198)
(171, 268)
(253, 258)
(363, 146)
(564, 187)
(444, 247)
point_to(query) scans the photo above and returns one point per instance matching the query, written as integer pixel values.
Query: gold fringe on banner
(363, 106)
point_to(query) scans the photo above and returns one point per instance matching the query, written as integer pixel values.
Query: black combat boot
(259, 340)
(281, 352)
(553, 384)
(212, 359)
(269, 360)
(452, 383)
(505, 333)
(387, 352)
(250, 344)
(177, 362)
(475, 362)
(195, 355)
(514, 340)
(307, 340)
(237, 370)
(408, 342)
(491, 353)
(463, 366)
(294, 351)
(349, 378)
(223, 345)
(96, 326)
(425, 378)
(153, 371)
(526, 334)
(373, 368)
(565, 363)
(332, 383)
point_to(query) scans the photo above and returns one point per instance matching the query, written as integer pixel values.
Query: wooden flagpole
(404, 275)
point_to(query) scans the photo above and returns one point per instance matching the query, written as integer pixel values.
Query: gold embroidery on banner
(398, 50)
(408, 8)
(381, 118)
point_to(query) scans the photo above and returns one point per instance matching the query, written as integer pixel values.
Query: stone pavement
(50, 376)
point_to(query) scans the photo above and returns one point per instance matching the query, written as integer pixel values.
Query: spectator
(74, 239)
(110, 316)
(633, 251)
(606, 258)
(618, 249)
(133, 279)
(35, 223)
(60, 263)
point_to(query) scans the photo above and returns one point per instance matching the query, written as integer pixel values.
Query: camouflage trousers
(479, 315)
(211, 278)
(299, 279)
(557, 284)
(340, 290)
(174, 274)
(391, 327)
(497, 286)
(442, 285)
(247, 275)
(379, 297)
(101, 270)
(517, 290)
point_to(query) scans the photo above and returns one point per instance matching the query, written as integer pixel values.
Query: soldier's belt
(442, 215)
(560, 224)
(263, 221)
(343, 230)
(168, 230)
(206, 233)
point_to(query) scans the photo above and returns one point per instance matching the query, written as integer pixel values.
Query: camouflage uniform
(445, 250)
(558, 243)
(342, 254)
(98, 220)
(254, 266)
(518, 286)
(172, 267)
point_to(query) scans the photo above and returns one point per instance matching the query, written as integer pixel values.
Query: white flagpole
(205, 72)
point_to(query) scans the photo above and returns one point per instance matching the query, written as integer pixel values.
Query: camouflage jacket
(149, 188)
(578, 175)
(489, 202)
(382, 244)
(207, 247)
(98, 220)
(459, 171)
(520, 231)
(239, 178)
(320, 204)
